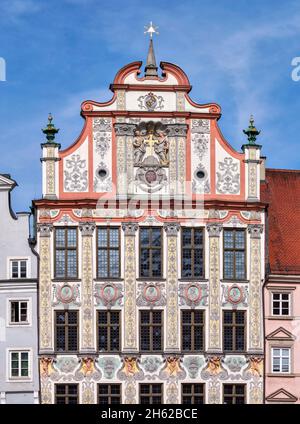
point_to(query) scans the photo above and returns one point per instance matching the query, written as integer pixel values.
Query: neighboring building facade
(19, 380)
(151, 300)
(281, 191)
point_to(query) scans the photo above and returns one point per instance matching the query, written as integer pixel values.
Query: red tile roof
(282, 191)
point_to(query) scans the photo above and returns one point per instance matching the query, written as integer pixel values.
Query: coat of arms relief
(151, 156)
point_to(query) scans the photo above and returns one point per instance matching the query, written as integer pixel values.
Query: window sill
(20, 379)
(281, 374)
(19, 324)
(151, 279)
(103, 279)
(194, 280)
(281, 317)
(238, 280)
(62, 280)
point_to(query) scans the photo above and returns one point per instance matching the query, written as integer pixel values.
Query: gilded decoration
(130, 369)
(172, 369)
(214, 369)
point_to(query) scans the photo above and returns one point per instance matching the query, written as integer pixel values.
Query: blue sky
(61, 52)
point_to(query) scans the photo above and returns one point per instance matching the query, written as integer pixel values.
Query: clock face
(235, 294)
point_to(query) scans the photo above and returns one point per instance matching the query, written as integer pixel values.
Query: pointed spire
(50, 130)
(251, 132)
(151, 68)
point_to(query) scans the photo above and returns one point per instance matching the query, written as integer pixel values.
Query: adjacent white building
(19, 382)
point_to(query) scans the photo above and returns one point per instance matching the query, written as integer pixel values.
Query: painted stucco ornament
(88, 370)
(172, 369)
(109, 366)
(46, 367)
(234, 295)
(235, 363)
(130, 369)
(66, 364)
(151, 363)
(151, 295)
(151, 102)
(255, 368)
(193, 294)
(214, 369)
(66, 294)
(108, 294)
(193, 364)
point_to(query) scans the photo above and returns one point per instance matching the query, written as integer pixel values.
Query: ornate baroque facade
(151, 238)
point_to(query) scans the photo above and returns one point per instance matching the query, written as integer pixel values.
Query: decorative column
(130, 313)
(177, 157)
(214, 338)
(255, 293)
(45, 309)
(49, 161)
(172, 329)
(125, 133)
(87, 315)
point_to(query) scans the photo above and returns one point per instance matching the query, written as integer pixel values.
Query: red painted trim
(213, 107)
(87, 105)
(127, 70)
(175, 114)
(177, 72)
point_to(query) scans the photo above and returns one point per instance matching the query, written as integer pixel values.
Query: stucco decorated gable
(152, 138)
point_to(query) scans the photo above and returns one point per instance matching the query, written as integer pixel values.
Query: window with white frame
(281, 360)
(19, 364)
(19, 312)
(281, 304)
(18, 268)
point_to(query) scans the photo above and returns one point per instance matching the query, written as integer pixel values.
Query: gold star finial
(151, 29)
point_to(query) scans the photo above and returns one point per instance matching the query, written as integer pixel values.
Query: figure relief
(151, 144)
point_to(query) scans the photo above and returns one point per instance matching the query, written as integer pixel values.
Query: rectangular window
(192, 259)
(281, 304)
(108, 252)
(234, 254)
(18, 268)
(151, 394)
(192, 330)
(66, 253)
(151, 331)
(234, 394)
(281, 360)
(109, 394)
(18, 312)
(66, 331)
(192, 394)
(234, 331)
(19, 364)
(66, 394)
(151, 252)
(109, 331)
